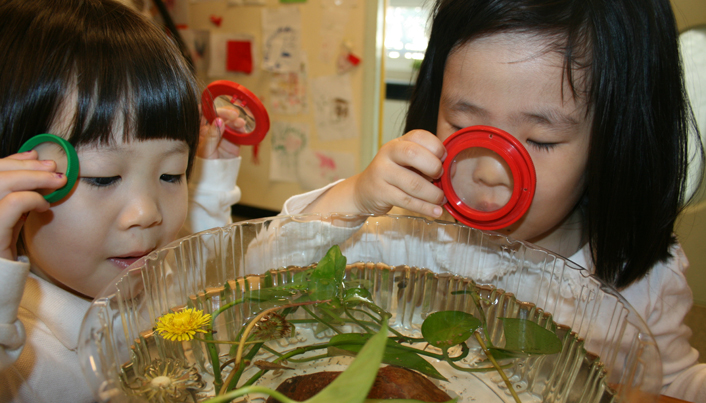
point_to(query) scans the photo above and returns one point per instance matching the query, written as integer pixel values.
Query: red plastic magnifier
(489, 179)
(224, 94)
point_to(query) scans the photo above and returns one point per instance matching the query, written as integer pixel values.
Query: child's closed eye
(171, 178)
(541, 146)
(101, 181)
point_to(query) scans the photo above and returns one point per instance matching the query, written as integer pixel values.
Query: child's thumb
(211, 136)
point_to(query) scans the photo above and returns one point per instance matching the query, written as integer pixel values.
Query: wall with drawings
(303, 59)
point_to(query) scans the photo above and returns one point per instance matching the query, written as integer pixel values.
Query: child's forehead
(519, 46)
(541, 49)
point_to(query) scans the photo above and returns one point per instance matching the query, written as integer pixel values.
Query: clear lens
(481, 179)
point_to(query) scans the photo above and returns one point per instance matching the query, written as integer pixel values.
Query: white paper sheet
(281, 39)
(333, 107)
(289, 93)
(288, 139)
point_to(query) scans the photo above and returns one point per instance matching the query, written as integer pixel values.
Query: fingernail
(444, 201)
(59, 174)
(219, 123)
(437, 211)
(47, 162)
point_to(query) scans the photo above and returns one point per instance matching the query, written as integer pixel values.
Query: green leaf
(353, 385)
(331, 266)
(356, 296)
(326, 280)
(394, 354)
(526, 337)
(445, 329)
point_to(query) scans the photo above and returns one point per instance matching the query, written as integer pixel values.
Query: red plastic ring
(521, 167)
(247, 99)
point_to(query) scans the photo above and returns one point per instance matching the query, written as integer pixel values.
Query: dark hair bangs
(132, 82)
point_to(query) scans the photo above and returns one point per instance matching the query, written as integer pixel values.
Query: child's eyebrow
(469, 108)
(546, 116)
(549, 116)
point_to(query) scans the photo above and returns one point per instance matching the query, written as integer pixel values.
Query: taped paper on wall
(281, 33)
(288, 141)
(288, 92)
(333, 107)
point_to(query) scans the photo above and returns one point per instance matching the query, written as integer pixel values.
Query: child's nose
(141, 211)
(491, 170)
(481, 179)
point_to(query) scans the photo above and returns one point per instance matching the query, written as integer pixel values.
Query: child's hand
(211, 142)
(399, 175)
(21, 175)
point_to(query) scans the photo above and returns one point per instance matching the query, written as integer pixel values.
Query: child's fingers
(413, 155)
(232, 119)
(211, 142)
(27, 180)
(228, 114)
(209, 137)
(226, 149)
(422, 206)
(428, 141)
(27, 155)
(385, 184)
(416, 186)
(13, 208)
(26, 162)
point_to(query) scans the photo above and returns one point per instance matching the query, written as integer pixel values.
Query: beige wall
(691, 228)
(689, 13)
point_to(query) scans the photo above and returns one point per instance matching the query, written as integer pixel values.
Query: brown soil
(390, 383)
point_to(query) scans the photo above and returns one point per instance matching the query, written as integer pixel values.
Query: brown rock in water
(390, 383)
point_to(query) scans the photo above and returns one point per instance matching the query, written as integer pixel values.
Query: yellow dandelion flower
(182, 325)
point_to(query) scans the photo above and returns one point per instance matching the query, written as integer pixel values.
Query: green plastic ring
(71, 166)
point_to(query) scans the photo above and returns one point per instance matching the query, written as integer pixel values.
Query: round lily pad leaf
(445, 329)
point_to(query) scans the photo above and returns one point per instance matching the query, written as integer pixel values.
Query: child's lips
(487, 206)
(123, 262)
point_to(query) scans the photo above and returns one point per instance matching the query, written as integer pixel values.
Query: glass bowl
(412, 267)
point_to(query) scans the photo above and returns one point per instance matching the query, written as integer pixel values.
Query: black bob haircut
(632, 82)
(113, 63)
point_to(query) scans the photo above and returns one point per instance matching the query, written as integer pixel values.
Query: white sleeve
(297, 203)
(687, 378)
(690, 385)
(663, 298)
(212, 192)
(13, 276)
